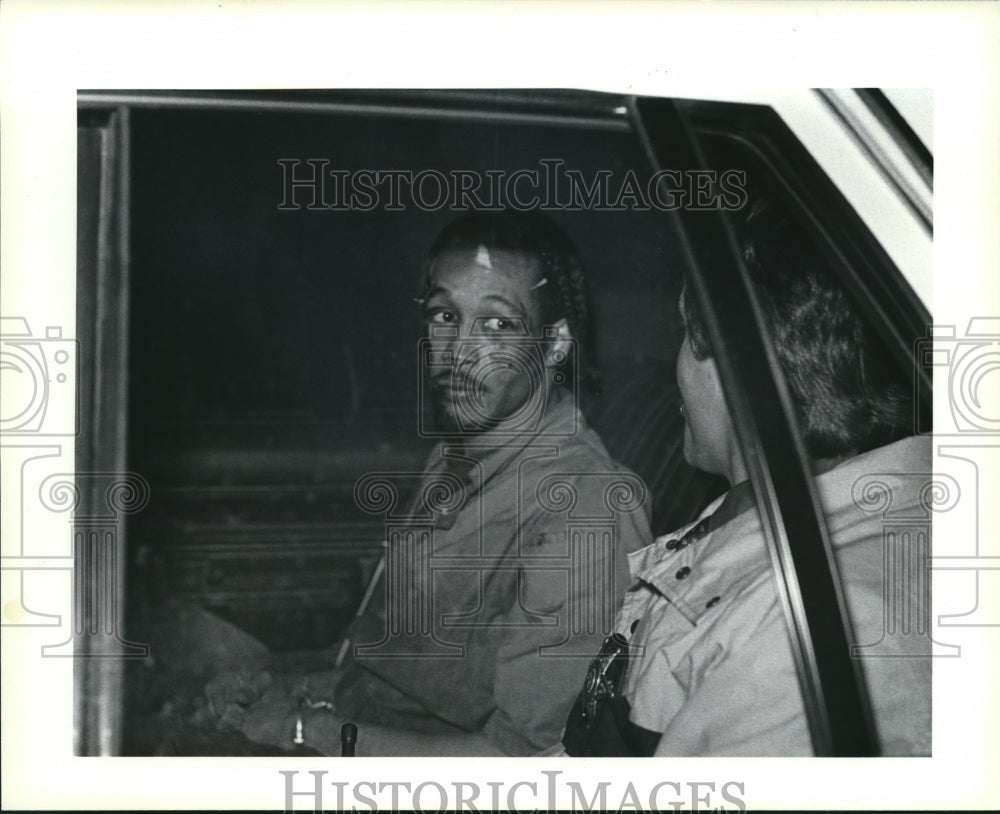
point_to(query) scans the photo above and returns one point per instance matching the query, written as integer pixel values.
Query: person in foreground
(478, 634)
(701, 661)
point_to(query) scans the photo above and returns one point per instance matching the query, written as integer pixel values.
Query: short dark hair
(565, 294)
(849, 393)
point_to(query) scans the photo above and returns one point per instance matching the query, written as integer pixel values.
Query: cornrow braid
(565, 273)
(564, 294)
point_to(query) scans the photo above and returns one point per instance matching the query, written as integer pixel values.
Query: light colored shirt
(524, 583)
(716, 676)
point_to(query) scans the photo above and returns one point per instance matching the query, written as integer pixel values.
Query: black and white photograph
(420, 418)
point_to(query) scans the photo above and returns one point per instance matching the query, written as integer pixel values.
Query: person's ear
(559, 345)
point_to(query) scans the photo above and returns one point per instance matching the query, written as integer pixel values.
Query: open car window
(791, 514)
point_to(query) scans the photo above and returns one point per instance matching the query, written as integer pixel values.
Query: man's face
(481, 313)
(708, 436)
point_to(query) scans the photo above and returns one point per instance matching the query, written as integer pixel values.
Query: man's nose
(474, 351)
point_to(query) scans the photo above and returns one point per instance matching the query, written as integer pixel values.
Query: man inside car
(701, 661)
(493, 666)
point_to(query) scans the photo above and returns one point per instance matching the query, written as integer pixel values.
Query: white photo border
(49, 50)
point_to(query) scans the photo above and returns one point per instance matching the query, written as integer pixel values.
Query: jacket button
(671, 545)
(712, 602)
(683, 572)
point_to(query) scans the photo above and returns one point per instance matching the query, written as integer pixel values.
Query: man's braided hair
(563, 296)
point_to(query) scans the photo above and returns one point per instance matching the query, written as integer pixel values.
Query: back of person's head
(848, 391)
(562, 291)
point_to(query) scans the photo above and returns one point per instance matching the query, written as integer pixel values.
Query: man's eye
(501, 324)
(440, 317)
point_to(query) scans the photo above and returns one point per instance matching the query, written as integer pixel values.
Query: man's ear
(559, 345)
